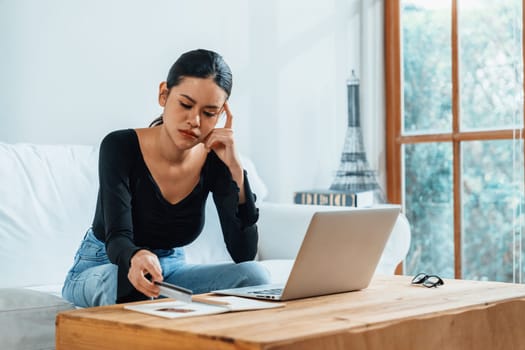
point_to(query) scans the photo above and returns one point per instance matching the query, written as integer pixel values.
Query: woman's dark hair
(199, 64)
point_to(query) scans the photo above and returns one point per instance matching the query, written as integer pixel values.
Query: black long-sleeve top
(131, 213)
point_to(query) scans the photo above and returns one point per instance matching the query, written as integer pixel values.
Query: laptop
(339, 253)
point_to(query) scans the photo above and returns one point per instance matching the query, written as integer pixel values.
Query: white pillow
(48, 195)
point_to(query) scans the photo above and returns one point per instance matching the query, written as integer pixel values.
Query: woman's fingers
(221, 136)
(152, 266)
(147, 287)
(145, 263)
(229, 116)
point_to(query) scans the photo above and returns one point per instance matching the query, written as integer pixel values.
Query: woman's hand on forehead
(229, 116)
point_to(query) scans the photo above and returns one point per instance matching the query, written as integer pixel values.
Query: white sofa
(47, 201)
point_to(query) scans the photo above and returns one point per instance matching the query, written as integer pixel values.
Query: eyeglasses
(428, 281)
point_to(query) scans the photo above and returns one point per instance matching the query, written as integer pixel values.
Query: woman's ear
(163, 93)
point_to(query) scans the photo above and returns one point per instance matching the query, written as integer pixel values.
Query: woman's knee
(105, 292)
(253, 273)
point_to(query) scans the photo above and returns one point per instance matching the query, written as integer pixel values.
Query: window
(454, 100)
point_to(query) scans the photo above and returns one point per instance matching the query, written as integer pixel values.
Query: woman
(153, 187)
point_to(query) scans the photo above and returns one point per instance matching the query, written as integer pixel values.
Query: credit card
(172, 291)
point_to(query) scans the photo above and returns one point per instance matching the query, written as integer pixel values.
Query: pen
(204, 300)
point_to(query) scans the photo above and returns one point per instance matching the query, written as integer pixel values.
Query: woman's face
(191, 110)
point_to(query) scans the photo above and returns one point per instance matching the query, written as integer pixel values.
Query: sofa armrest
(396, 248)
(282, 228)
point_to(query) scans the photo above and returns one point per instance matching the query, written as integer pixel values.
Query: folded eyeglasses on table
(428, 281)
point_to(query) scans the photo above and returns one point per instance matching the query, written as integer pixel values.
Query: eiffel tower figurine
(354, 174)
(355, 183)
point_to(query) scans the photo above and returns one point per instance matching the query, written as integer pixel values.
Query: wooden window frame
(394, 137)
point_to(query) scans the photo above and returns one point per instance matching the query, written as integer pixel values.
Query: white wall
(71, 71)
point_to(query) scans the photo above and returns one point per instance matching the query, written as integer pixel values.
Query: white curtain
(369, 33)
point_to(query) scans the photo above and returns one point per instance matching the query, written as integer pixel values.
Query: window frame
(394, 110)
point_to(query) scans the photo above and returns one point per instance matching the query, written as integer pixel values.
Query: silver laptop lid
(340, 251)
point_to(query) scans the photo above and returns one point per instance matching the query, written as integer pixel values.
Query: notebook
(339, 253)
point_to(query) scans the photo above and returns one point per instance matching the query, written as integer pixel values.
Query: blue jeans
(92, 281)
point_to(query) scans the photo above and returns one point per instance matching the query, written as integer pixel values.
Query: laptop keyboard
(273, 291)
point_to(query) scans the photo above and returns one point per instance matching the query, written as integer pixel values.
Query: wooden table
(390, 314)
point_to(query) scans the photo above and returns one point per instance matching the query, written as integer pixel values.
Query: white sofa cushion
(48, 196)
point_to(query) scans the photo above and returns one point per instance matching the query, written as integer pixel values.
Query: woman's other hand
(143, 263)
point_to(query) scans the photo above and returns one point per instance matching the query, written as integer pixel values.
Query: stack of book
(335, 198)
